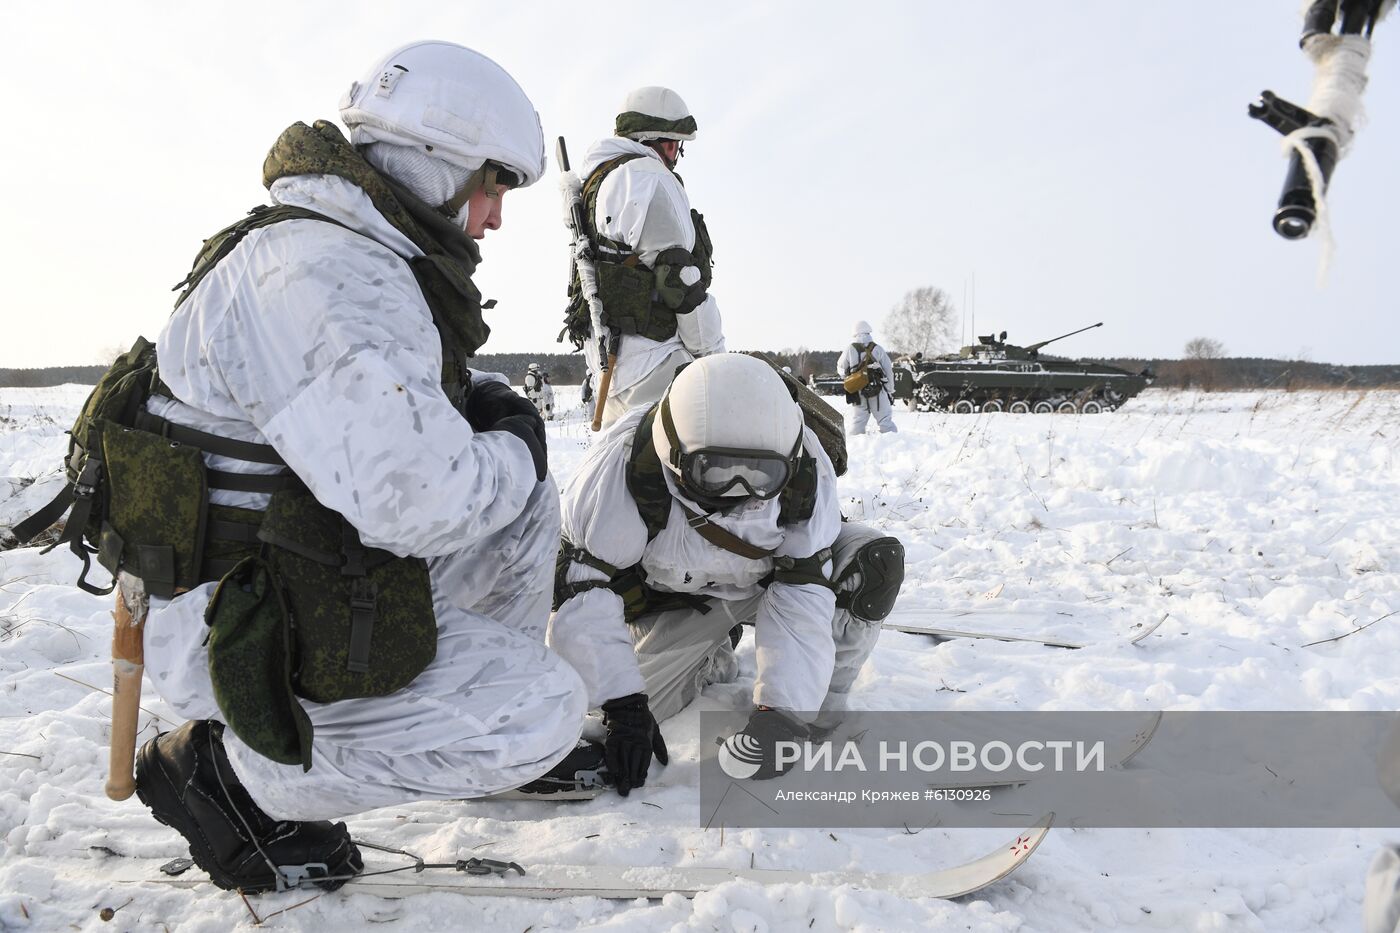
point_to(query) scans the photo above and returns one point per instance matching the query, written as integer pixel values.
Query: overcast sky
(1084, 161)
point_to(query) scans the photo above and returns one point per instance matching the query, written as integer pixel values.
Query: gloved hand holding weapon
(584, 263)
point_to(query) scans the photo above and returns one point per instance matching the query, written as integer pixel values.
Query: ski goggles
(717, 471)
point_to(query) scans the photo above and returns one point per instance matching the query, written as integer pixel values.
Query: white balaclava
(431, 114)
(435, 181)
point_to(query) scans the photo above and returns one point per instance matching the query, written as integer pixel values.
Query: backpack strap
(610, 250)
(723, 539)
(222, 243)
(26, 530)
(798, 500)
(645, 482)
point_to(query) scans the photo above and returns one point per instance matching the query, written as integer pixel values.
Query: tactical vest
(636, 300)
(303, 608)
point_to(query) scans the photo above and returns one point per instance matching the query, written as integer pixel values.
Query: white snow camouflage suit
(881, 405)
(316, 340)
(540, 393)
(642, 204)
(808, 651)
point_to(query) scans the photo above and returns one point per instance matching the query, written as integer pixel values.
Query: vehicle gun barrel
(1035, 347)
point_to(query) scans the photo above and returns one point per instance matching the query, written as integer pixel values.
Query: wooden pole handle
(128, 665)
(126, 702)
(603, 386)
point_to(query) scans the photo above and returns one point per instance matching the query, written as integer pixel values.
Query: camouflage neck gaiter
(450, 256)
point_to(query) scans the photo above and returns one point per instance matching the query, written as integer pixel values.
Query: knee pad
(868, 571)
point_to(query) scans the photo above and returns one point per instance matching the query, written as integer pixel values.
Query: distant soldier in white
(868, 375)
(653, 255)
(396, 501)
(539, 391)
(714, 508)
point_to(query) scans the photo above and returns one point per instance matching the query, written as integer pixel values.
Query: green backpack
(108, 458)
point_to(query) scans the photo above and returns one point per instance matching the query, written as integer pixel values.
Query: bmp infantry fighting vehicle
(995, 375)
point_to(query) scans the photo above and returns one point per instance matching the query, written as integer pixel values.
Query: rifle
(584, 251)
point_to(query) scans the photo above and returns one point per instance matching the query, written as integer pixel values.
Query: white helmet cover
(862, 329)
(729, 400)
(456, 103)
(654, 113)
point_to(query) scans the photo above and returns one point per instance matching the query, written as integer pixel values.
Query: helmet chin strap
(655, 146)
(485, 177)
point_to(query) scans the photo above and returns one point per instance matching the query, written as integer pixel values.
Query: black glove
(757, 742)
(633, 737)
(495, 406)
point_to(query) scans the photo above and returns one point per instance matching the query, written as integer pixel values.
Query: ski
(1133, 637)
(631, 882)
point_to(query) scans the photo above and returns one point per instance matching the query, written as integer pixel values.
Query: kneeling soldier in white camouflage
(366, 625)
(714, 508)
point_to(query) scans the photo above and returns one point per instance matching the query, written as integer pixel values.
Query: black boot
(185, 778)
(582, 775)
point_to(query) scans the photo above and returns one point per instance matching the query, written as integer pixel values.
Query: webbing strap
(237, 532)
(363, 596)
(797, 571)
(251, 482)
(209, 443)
(40, 521)
(577, 554)
(722, 539)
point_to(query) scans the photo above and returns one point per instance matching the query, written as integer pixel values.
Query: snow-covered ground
(1259, 521)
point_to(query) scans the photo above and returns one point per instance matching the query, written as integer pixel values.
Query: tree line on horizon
(1209, 373)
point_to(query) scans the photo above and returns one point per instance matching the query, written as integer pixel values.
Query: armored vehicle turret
(993, 375)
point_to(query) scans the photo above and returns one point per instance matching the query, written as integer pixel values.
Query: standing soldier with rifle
(639, 303)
